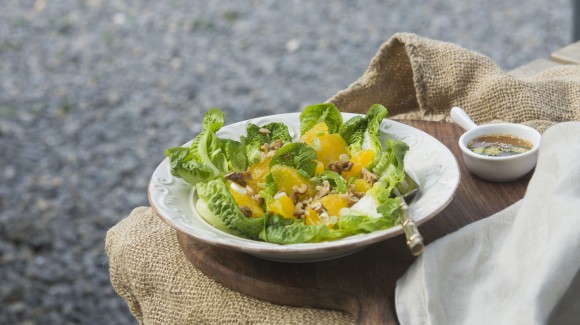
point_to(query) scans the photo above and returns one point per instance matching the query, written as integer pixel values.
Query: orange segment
(243, 198)
(332, 203)
(286, 177)
(311, 217)
(319, 168)
(259, 171)
(359, 160)
(329, 147)
(282, 206)
(316, 131)
(359, 185)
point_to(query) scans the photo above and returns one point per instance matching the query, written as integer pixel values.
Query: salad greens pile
(335, 181)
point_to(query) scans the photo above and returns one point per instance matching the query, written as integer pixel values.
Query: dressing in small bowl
(499, 145)
(497, 152)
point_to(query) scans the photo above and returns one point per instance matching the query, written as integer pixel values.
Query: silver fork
(406, 189)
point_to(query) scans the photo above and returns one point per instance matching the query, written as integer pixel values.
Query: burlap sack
(413, 77)
(161, 286)
(413, 72)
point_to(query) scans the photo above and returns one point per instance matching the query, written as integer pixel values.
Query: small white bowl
(498, 169)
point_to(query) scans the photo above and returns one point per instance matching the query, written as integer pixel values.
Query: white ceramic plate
(428, 159)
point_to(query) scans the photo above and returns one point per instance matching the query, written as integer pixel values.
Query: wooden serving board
(362, 284)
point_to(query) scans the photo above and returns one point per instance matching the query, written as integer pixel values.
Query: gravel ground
(93, 91)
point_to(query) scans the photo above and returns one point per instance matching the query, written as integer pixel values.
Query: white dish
(427, 158)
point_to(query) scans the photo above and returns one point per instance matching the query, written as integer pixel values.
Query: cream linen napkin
(519, 266)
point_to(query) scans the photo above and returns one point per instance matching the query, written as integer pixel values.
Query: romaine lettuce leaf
(315, 114)
(254, 139)
(388, 214)
(390, 166)
(213, 120)
(206, 146)
(183, 166)
(291, 231)
(206, 152)
(217, 206)
(297, 155)
(336, 181)
(352, 131)
(363, 132)
(270, 189)
(372, 212)
(235, 155)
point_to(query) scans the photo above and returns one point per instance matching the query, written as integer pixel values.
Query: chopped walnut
(340, 166)
(258, 199)
(239, 177)
(354, 197)
(307, 201)
(369, 177)
(265, 148)
(300, 190)
(354, 193)
(264, 131)
(299, 209)
(316, 206)
(294, 197)
(277, 144)
(246, 211)
(322, 190)
(352, 200)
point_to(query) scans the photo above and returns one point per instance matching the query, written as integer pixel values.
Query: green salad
(337, 180)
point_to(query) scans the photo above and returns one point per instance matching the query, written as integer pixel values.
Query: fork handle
(414, 238)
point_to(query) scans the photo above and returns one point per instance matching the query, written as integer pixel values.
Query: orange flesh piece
(311, 217)
(245, 199)
(328, 147)
(282, 206)
(360, 160)
(333, 203)
(259, 172)
(287, 177)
